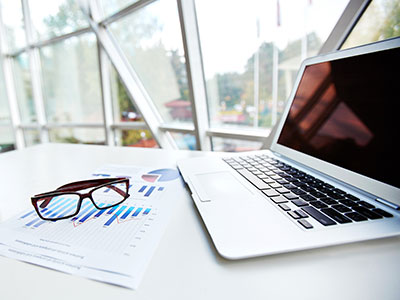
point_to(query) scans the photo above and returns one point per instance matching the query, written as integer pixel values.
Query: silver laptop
(331, 175)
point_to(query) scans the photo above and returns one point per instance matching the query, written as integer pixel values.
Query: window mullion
(195, 74)
(34, 66)
(132, 83)
(10, 90)
(106, 97)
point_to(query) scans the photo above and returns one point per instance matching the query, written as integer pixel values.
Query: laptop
(330, 175)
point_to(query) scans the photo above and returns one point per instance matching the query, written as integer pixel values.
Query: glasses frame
(74, 187)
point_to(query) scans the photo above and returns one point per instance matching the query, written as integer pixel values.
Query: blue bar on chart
(66, 206)
(68, 212)
(148, 193)
(108, 223)
(147, 210)
(161, 188)
(82, 212)
(83, 219)
(142, 189)
(27, 214)
(102, 211)
(39, 223)
(127, 212)
(32, 222)
(102, 175)
(53, 206)
(137, 212)
(112, 210)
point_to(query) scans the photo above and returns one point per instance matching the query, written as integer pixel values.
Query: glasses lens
(55, 207)
(110, 194)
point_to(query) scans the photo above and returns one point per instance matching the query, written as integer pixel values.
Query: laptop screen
(344, 112)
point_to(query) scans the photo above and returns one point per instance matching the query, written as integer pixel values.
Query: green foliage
(391, 26)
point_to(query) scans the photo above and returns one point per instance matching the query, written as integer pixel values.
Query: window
(151, 40)
(380, 21)
(23, 88)
(71, 81)
(12, 18)
(180, 74)
(56, 17)
(252, 54)
(6, 133)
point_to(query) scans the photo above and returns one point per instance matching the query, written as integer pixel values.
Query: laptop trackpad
(217, 185)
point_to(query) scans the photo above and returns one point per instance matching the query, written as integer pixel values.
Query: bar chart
(114, 215)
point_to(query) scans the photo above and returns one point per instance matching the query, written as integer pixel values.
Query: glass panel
(72, 61)
(77, 135)
(23, 88)
(234, 145)
(55, 18)
(251, 70)
(185, 141)
(13, 20)
(135, 138)
(110, 7)
(7, 141)
(380, 21)
(4, 108)
(32, 137)
(123, 108)
(151, 39)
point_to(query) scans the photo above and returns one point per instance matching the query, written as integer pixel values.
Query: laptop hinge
(387, 203)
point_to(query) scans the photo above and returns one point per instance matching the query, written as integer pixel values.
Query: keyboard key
(349, 203)
(317, 194)
(305, 224)
(301, 213)
(290, 196)
(329, 201)
(382, 212)
(320, 217)
(307, 197)
(300, 203)
(253, 179)
(271, 193)
(275, 185)
(318, 204)
(290, 186)
(338, 217)
(367, 213)
(284, 207)
(293, 215)
(282, 190)
(298, 192)
(341, 208)
(351, 197)
(339, 191)
(279, 199)
(268, 180)
(356, 217)
(365, 204)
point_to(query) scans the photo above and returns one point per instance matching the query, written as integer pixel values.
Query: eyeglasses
(66, 201)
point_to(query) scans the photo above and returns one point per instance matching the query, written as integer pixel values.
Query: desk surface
(185, 264)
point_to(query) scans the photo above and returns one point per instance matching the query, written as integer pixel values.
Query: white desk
(185, 264)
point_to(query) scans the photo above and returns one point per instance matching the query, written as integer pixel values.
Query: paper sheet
(113, 245)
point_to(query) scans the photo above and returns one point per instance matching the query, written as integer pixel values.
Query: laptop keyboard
(312, 197)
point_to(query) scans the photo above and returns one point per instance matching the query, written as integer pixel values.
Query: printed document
(114, 245)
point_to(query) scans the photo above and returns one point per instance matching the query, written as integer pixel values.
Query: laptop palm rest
(218, 184)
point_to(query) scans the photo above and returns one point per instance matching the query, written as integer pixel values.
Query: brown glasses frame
(74, 187)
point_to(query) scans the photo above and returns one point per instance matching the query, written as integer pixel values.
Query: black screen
(346, 112)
